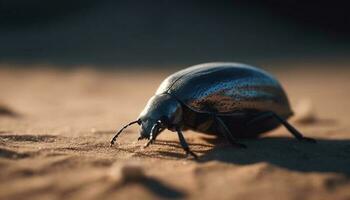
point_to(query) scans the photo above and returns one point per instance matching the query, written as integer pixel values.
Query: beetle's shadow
(324, 156)
(153, 185)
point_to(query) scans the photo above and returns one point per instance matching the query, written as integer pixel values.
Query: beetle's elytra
(229, 99)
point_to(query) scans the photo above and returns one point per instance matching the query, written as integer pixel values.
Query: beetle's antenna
(121, 130)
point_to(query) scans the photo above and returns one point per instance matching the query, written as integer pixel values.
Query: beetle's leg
(153, 134)
(293, 130)
(184, 144)
(155, 131)
(227, 134)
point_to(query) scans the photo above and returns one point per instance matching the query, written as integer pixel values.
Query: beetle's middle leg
(184, 144)
(227, 133)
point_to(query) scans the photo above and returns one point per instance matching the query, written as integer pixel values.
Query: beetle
(230, 99)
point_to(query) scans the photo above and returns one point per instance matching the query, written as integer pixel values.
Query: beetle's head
(161, 111)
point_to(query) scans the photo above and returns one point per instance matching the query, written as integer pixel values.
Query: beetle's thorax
(164, 108)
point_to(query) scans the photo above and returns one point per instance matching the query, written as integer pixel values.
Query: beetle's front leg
(150, 141)
(156, 129)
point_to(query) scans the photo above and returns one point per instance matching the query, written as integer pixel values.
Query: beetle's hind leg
(284, 122)
(293, 130)
(227, 133)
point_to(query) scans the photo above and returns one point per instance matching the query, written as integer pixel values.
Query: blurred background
(158, 33)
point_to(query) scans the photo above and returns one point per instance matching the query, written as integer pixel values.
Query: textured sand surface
(55, 128)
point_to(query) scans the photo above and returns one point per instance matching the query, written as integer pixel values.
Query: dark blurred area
(158, 32)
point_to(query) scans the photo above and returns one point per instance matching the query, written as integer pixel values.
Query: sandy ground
(55, 128)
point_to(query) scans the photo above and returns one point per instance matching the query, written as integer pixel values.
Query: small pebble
(6, 111)
(305, 112)
(93, 130)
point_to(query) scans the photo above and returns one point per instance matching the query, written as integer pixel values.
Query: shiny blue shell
(227, 88)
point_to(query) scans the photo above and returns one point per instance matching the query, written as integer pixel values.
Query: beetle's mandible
(229, 99)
